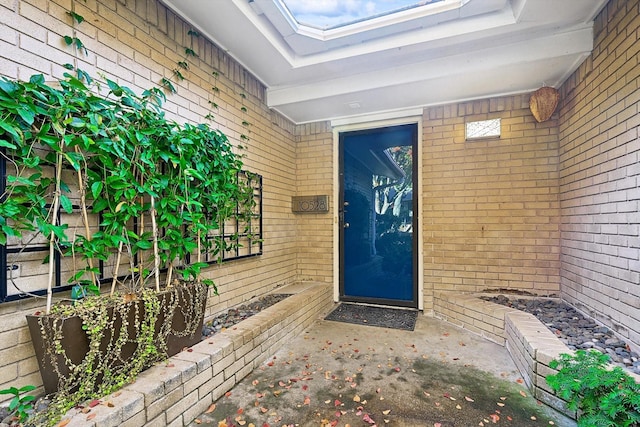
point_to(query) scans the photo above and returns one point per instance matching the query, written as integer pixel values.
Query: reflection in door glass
(393, 216)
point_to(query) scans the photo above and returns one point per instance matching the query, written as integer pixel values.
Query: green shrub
(604, 396)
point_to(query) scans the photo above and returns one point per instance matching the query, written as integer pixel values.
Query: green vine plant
(215, 89)
(73, 40)
(181, 66)
(125, 164)
(245, 123)
(601, 394)
(148, 194)
(133, 164)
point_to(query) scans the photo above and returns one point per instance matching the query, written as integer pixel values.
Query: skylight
(328, 14)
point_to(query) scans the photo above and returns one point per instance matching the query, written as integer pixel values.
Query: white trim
(373, 122)
(336, 216)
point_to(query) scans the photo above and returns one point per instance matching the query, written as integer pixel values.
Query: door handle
(346, 225)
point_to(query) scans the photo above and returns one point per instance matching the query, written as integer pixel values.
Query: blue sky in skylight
(327, 14)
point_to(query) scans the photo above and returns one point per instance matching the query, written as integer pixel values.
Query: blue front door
(378, 216)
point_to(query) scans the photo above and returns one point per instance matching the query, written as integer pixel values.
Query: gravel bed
(235, 315)
(574, 329)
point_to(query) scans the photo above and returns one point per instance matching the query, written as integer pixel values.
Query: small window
(483, 129)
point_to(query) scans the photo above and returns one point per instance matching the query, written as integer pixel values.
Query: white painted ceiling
(443, 52)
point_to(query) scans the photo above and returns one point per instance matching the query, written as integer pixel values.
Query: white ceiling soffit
(438, 53)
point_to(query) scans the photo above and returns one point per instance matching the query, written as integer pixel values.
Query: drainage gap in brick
(234, 316)
(574, 329)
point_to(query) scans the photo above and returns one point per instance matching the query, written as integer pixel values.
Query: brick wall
(136, 43)
(490, 206)
(314, 176)
(600, 175)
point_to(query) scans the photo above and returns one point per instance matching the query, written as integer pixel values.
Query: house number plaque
(310, 204)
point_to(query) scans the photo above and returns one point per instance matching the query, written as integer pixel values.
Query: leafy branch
(183, 65)
(245, 122)
(602, 395)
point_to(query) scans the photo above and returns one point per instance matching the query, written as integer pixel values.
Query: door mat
(383, 317)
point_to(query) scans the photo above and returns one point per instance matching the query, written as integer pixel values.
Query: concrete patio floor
(339, 374)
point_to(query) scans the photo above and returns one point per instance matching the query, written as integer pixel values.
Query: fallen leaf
(386, 412)
(263, 409)
(255, 382)
(468, 399)
(519, 380)
(91, 416)
(437, 425)
(307, 400)
(458, 407)
(222, 423)
(227, 394)
(94, 403)
(64, 422)
(368, 419)
(494, 418)
(356, 398)
(110, 404)
(533, 418)
(240, 411)
(500, 404)
(523, 394)
(211, 408)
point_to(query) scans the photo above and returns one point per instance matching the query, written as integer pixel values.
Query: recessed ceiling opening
(325, 15)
